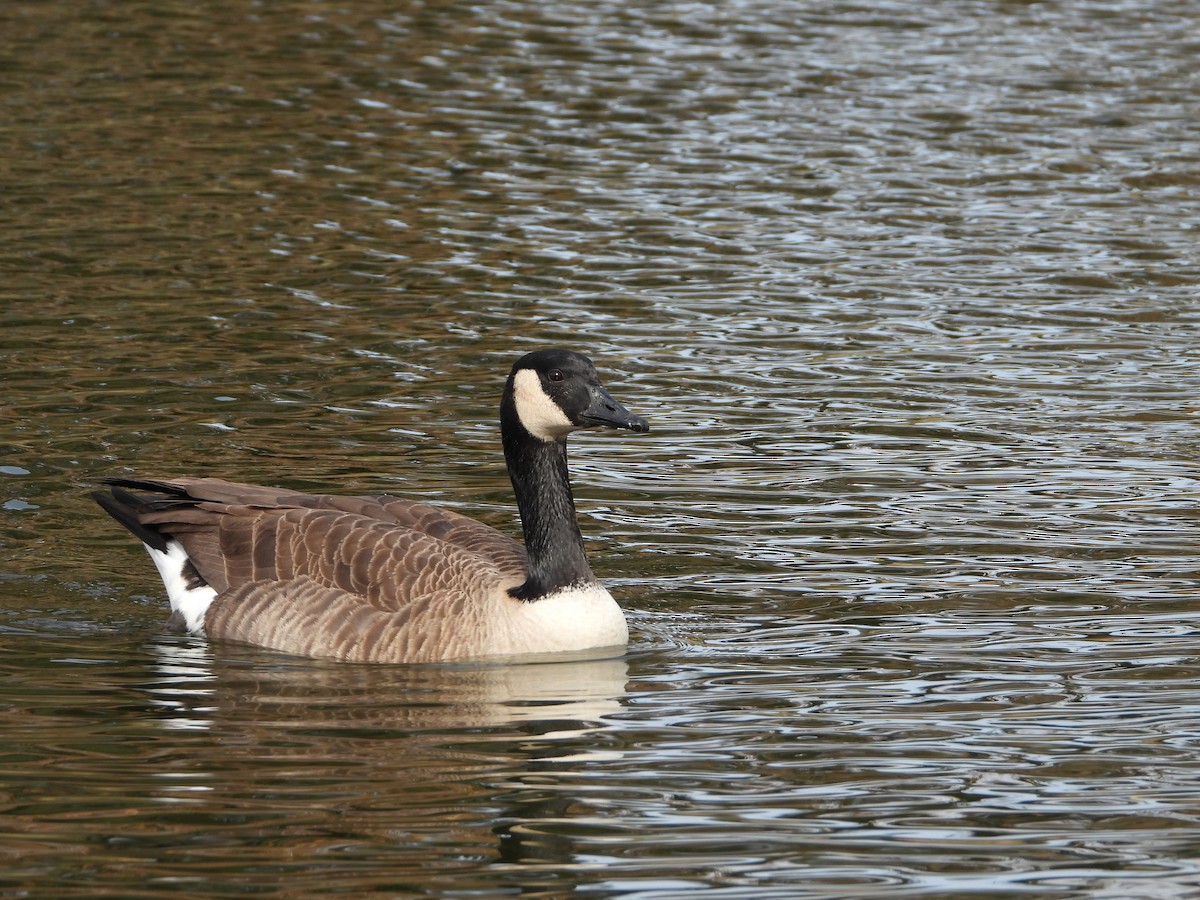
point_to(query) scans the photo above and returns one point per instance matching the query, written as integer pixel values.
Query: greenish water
(908, 294)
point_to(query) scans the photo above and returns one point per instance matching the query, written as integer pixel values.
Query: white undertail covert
(189, 600)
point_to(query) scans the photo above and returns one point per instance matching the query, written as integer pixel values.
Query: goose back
(355, 578)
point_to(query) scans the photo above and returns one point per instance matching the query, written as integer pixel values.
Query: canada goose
(378, 579)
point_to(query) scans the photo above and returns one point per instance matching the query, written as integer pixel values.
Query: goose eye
(555, 375)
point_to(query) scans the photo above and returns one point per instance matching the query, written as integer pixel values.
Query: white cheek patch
(541, 416)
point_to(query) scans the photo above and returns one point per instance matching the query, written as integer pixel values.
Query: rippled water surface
(909, 295)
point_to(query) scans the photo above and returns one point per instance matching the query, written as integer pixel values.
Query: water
(908, 294)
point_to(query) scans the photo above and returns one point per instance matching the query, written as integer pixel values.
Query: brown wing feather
(358, 578)
(230, 498)
(237, 533)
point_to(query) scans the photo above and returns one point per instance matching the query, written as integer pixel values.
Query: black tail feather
(149, 484)
(124, 507)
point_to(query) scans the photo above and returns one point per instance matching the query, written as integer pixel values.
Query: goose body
(380, 579)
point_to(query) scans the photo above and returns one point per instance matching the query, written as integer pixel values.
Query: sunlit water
(908, 294)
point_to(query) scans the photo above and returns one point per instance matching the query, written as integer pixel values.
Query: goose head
(554, 392)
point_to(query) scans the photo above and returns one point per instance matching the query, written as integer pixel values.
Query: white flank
(541, 416)
(191, 603)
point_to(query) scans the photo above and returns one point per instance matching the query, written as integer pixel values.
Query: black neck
(538, 470)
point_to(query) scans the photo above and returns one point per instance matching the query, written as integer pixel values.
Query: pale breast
(584, 617)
